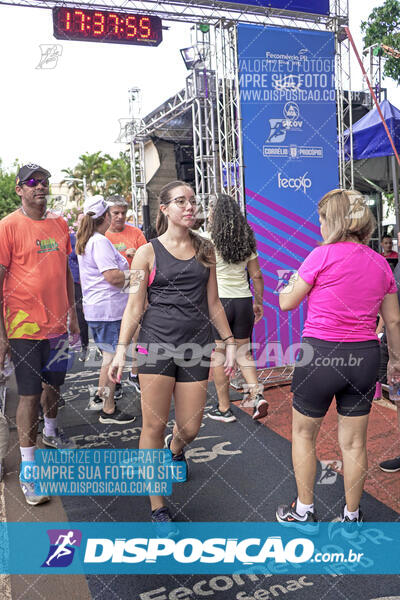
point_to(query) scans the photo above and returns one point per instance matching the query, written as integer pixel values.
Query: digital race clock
(106, 26)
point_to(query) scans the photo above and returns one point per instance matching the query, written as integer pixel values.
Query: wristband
(227, 338)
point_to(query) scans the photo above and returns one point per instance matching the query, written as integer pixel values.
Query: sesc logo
(302, 183)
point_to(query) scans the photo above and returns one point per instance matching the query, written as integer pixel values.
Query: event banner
(288, 101)
(317, 7)
(201, 548)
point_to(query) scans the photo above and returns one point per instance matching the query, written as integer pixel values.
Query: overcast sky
(51, 116)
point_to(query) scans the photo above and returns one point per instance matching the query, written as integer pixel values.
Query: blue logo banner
(200, 548)
(288, 103)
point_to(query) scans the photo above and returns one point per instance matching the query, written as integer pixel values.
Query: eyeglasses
(181, 201)
(35, 182)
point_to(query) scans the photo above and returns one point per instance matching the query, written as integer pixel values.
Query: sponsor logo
(62, 547)
(291, 121)
(301, 183)
(293, 151)
(288, 83)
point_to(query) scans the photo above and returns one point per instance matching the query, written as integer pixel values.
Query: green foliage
(383, 27)
(9, 201)
(104, 175)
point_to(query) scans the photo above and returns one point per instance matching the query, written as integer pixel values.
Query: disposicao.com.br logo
(62, 547)
(250, 551)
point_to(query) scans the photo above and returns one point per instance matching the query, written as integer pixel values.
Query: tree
(104, 175)
(383, 27)
(9, 201)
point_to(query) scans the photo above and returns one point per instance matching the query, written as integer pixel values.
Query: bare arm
(220, 322)
(215, 308)
(115, 277)
(4, 345)
(391, 315)
(294, 293)
(73, 318)
(140, 271)
(256, 276)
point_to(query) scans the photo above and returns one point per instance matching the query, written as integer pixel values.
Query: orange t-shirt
(129, 237)
(35, 286)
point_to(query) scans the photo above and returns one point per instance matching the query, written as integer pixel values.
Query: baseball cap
(28, 170)
(96, 205)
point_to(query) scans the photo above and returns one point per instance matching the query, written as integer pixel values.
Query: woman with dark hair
(236, 256)
(340, 356)
(104, 272)
(176, 273)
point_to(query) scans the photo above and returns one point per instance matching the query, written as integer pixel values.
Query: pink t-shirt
(349, 283)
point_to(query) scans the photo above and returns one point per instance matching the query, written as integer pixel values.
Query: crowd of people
(184, 302)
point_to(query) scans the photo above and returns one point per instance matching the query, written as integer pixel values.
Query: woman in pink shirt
(347, 284)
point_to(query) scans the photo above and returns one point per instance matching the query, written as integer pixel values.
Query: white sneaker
(28, 489)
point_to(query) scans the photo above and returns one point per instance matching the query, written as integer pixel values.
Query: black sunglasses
(35, 182)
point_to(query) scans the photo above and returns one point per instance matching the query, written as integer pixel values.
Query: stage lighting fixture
(191, 56)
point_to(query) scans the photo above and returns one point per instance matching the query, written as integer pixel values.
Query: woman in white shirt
(236, 256)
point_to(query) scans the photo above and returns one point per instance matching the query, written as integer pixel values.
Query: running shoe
(165, 526)
(177, 457)
(260, 408)
(95, 403)
(28, 489)
(286, 513)
(60, 403)
(83, 354)
(226, 416)
(133, 381)
(117, 417)
(390, 466)
(118, 393)
(343, 519)
(58, 441)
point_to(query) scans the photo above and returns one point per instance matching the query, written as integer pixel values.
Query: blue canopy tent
(375, 164)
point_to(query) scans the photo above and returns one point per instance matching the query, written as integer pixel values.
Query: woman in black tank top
(176, 274)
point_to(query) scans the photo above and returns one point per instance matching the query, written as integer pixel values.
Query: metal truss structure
(212, 88)
(340, 10)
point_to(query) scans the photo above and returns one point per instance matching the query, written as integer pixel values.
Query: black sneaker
(390, 466)
(133, 381)
(117, 417)
(343, 519)
(118, 393)
(164, 523)
(60, 402)
(286, 513)
(226, 416)
(261, 407)
(177, 457)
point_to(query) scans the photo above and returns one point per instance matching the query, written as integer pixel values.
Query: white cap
(96, 205)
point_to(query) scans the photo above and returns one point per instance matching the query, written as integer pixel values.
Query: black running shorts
(346, 370)
(38, 361)
(240, 315)
(178, 368)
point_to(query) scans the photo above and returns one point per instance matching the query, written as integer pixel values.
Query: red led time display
(106, 26)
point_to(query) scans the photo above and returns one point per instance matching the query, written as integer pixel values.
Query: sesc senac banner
(287, 89)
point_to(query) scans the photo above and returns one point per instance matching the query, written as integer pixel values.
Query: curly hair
(232, 236)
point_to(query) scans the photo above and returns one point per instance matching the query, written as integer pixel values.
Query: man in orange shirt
(126, 239)
(36, 297)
